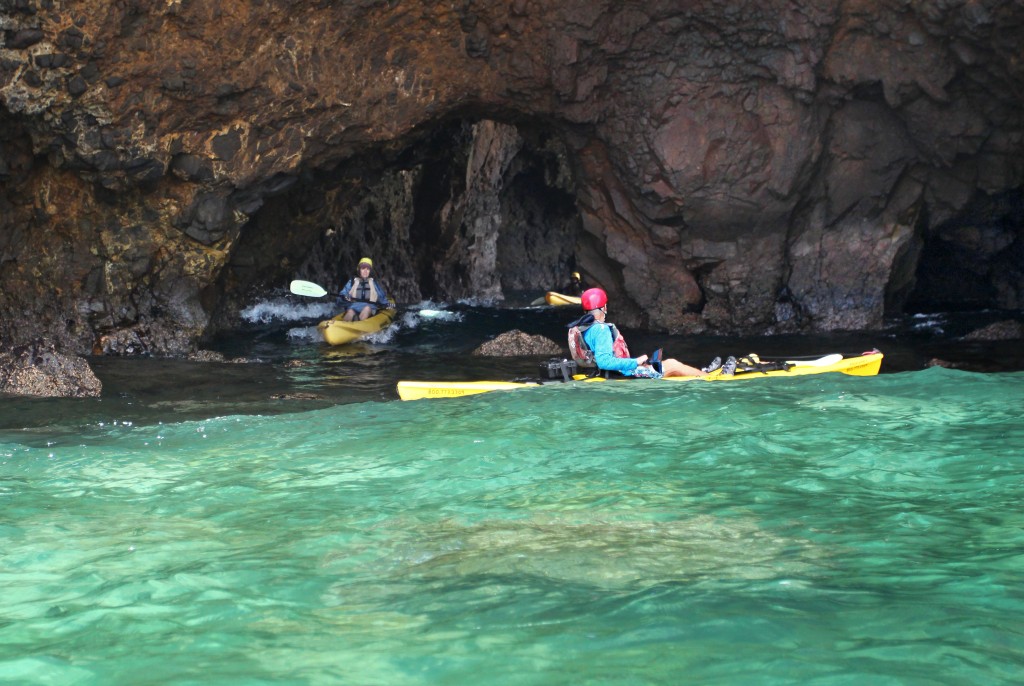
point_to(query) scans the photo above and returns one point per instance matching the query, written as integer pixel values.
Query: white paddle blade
(820, 362)
(307, 288)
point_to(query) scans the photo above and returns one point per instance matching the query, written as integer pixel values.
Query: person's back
(602, 346)
(608, 347)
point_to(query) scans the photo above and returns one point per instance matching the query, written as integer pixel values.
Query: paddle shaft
(313, 290)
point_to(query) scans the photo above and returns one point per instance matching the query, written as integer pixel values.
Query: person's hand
(641, 361)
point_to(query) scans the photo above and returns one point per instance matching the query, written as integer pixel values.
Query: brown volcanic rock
(516, 342)
(39, 370)
(1008, 330)
(728, 166)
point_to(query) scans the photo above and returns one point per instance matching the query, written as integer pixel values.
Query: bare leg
(365, 314)
(349, 315)
(673, 367)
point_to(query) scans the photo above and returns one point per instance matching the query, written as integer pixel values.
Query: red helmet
(593, 298)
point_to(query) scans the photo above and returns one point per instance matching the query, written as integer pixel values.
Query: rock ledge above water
(39, 370)
(515, 342)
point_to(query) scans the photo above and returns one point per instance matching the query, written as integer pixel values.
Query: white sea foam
(928, 322)
(305, 334)
(439, 315)
(286, 310)
(931, 325)
(384, 336)
(428, 310)
(480, 302)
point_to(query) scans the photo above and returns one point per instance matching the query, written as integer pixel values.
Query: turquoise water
(815, 530)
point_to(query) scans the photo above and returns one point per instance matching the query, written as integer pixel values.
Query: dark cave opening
(467, 209)
(476, 209)
(538, 244)
(439, 179)
(974, 261)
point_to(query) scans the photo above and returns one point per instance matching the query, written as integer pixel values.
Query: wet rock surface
(39, 370)
(296, 396)
(736, 167)
(1008, 330)
(516, 343)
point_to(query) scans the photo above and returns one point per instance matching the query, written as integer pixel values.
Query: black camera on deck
(557, 368)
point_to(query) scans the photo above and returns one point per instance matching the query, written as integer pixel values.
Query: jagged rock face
(37, 369)
(724, 166)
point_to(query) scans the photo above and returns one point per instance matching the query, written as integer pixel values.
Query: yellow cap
(365, 260)
(576, 275)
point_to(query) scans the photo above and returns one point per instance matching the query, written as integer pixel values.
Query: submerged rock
(1008, 330)
(515, 342)
(296, 396)
(982, 366)
(213, 356)
(39, 370)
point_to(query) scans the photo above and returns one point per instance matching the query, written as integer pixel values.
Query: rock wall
(753, 166)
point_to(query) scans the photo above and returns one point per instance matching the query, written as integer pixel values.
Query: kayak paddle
(308, 288)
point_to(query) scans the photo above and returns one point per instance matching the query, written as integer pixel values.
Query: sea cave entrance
(975, 260)
(469, 209)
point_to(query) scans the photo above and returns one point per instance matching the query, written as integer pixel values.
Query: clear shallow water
(825, 530)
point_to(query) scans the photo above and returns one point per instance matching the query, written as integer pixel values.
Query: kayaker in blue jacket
(362, 294)
(607, 347)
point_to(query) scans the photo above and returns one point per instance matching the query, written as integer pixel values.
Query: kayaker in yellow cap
(363, 295)
(575, 287)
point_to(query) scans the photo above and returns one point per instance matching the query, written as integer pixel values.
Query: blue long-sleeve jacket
(599, 339)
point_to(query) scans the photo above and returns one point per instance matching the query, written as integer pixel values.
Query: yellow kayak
(867, 364)
(338, 332)
(558, 299)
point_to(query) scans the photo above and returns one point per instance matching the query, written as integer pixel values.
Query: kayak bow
(867, 364)
(339, 332)
(558, 299)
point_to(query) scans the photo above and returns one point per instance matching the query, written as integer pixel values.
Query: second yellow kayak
(558, 299)
(336, 331)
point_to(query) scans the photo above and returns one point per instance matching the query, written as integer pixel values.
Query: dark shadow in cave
(440, 179)
(974, 261)
(537, 247)
(417, 210)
